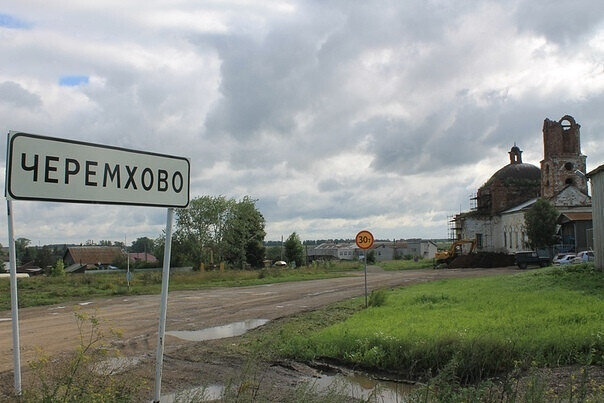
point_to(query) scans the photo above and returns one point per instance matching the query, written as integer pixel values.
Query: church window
(568, 166)
(569, 181)
(479, 241)
(505, 239)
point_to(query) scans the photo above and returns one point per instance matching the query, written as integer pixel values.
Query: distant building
(333, 251)
(419, 248)
(415, 248)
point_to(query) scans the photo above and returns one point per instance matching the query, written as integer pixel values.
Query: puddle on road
(85, 303)
(362, 387)
(355, 386)
(5, 319)
(218, 332)
(117, 365)
(196, 394)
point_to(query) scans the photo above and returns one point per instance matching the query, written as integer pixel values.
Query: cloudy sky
(336, 116)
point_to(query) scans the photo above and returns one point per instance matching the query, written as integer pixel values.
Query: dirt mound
(483, 259)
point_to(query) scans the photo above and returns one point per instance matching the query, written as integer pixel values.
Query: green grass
(488, 326)
(406, 264)
(42, 290)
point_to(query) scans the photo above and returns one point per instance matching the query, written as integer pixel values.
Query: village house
(78, 258)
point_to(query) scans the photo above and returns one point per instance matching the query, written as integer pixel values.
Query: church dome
(513, 184)
(517, 171)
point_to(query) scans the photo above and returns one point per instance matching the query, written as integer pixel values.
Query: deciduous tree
(293, 250)
(540, 222)
(142, 244)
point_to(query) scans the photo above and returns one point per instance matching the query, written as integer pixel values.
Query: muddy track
(54, 327)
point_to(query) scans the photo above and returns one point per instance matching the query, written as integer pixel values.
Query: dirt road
(54, 328)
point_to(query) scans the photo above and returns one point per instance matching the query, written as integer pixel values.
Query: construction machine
(443, 258)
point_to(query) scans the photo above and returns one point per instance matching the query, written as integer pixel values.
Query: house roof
(578, 216)
(93, 254)
(521, 206)
(595, 171)
(145, 257)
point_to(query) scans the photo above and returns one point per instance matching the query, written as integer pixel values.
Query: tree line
(211, 230)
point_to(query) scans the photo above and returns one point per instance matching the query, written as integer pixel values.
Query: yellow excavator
(443, 258)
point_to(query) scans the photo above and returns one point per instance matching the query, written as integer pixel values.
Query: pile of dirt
(482, 259)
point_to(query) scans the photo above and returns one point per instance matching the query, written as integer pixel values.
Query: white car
(585, 256)
(567, 259)
(560, 256)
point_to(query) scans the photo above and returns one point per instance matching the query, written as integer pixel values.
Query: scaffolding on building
(453, 227)
(473, 202)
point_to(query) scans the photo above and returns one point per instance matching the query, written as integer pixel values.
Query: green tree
(244, 233)
(273, 253)
(44, 258)
(370, 256)
(540, 222)
(142, 244)
(293, 250)
(58, 270)
(201, 227)
(21, 245)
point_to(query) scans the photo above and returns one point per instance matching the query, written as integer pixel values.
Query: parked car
(585, 256)
(567, 259)
(530, 257)
(560, 256)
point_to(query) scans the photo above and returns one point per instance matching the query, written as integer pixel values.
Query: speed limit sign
(364, 239)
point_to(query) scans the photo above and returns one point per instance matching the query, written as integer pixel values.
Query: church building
(497, 221)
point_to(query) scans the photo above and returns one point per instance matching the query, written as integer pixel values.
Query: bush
(377, 298)
(58, 270)
(84, 376)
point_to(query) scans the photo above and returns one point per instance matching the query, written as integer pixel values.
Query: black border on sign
(9, 159)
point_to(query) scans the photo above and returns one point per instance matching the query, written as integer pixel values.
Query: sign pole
(364, 240)
(164, 305)
(366, 304)
(13, 297)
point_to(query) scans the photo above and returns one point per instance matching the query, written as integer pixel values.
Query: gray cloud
(332, 114)
(15, 94)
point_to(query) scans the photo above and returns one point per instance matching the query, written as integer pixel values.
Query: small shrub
(58, 270)
(377, 298)
(81, 376)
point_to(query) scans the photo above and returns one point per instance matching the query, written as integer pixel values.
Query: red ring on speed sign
(364, 239)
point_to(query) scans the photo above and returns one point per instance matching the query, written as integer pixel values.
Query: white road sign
(54, 169)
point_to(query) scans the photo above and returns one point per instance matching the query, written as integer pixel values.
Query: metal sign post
(364, 240)
(164, 306)
(366, 304)
(14, 302)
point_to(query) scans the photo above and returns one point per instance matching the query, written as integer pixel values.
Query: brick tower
(562, 157)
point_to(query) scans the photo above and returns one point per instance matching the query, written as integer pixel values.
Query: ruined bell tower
(562, 157)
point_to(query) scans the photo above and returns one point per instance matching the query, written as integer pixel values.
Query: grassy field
(485, 326)
(42, 290)
(406, 264)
